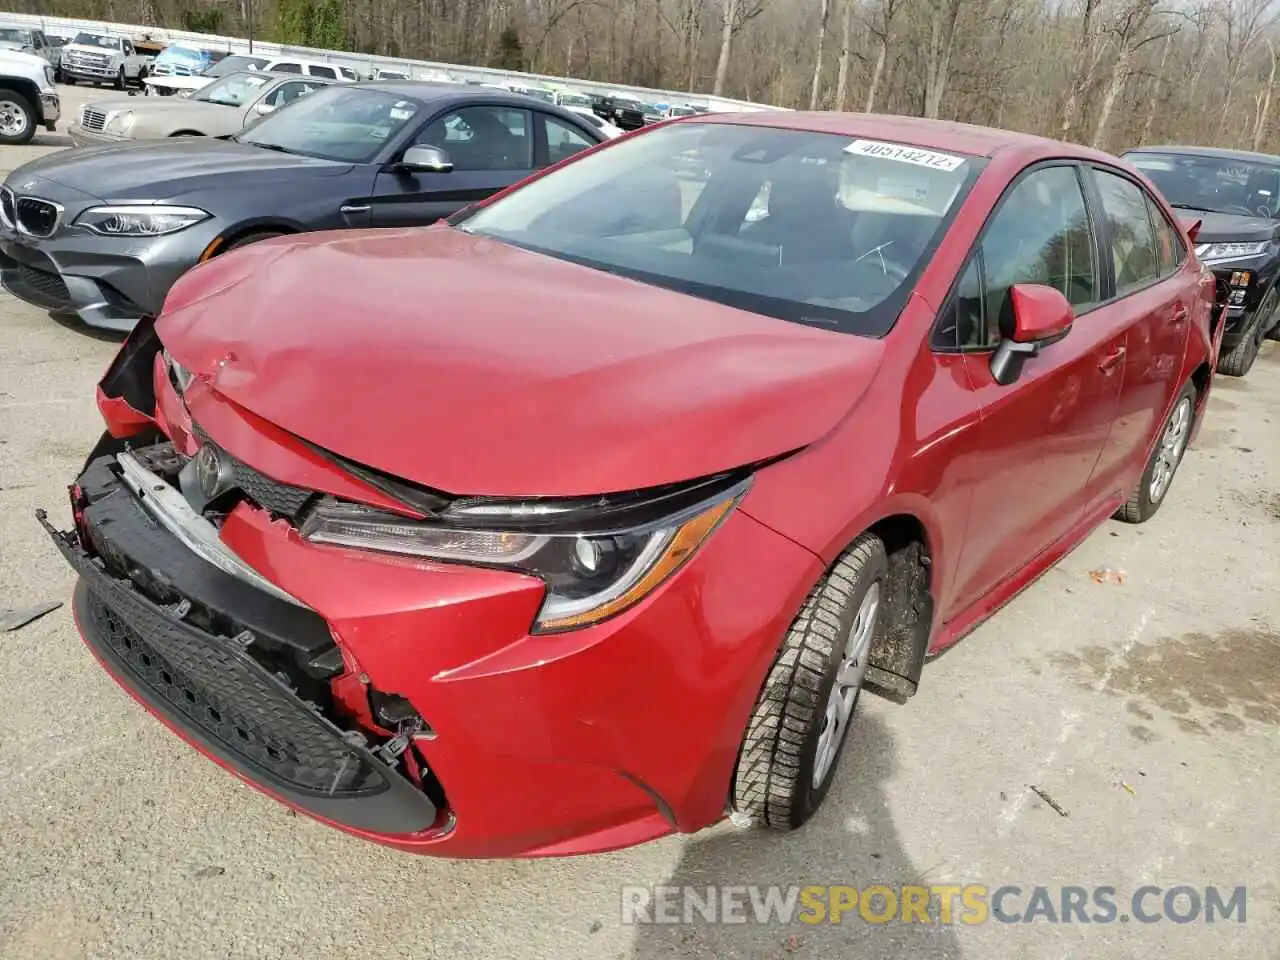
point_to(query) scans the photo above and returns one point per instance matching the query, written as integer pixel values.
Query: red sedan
(585, 517)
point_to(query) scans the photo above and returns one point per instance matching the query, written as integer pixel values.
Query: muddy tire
(1239, 361)
(802, 716)
(1157, 478)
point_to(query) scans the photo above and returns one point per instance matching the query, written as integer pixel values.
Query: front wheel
(802, 716)
(1164, 461)
(17, 118)
(120, 79)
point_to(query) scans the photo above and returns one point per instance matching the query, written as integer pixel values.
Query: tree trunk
(842, 80)
(1260, 127)
(877, 73)
(942, 33)
(1119, 74)
(728, 15)
(1155, 94)
(1081, 73)
(816, 89)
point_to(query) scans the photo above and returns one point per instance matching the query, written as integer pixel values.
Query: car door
(491, 147)
(1039, 437)
(1153, 298)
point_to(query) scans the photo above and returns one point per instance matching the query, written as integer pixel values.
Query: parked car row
(584, 515)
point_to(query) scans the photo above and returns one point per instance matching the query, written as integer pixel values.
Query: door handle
(1112, 360)
(355, 208)
(1180, 314)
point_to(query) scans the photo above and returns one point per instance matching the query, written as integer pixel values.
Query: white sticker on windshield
(902, 154)
(399, 114)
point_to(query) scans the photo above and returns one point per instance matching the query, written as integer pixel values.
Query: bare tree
(943, 15)
(816, 89)
(1264, 100)
(735, 14)
(846, 53)
(881, 27)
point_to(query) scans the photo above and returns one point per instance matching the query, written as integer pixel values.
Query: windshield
(574, 100)
(814, 228)
(234, 90)
(1214, 184)
(188, 56)
(236, 64)
(97, 40)
(12, 35)
(350, 124)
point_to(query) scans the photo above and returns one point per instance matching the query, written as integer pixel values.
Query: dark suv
(623, 113)
(1236, 198)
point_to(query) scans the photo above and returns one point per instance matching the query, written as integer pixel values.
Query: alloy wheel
(1172, 443)
(848, 683)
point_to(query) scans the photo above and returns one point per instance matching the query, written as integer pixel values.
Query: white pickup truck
(28, 98)
(103, 58)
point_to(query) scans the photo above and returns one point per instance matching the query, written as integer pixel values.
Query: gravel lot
(1148, 710)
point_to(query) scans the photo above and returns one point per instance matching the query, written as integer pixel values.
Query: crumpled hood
(166, 169)
(477, 368)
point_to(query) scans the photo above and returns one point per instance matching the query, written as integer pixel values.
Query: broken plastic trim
(129, 376)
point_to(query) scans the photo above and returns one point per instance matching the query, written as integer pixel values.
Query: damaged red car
(585, 517)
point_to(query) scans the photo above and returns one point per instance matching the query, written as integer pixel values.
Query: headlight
(50, 76)
(120, 123)
(140, 220)
(589, 576)
(1231, 251)
(179, 375)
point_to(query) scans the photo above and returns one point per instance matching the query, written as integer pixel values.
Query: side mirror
(1041, 316)
(426, 159)
(263, 109)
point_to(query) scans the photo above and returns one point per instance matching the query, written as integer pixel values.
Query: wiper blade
(266, 146)
(1191, 206)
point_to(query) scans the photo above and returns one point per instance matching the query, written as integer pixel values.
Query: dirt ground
(1146, 711)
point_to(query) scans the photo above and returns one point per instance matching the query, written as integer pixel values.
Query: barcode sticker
(904, 154)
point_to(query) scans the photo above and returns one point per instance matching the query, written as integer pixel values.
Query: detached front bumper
(533, 745)
(108, 282)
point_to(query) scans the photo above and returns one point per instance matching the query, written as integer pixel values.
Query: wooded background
(1113, 73)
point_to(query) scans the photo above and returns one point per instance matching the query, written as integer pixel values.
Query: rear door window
(1134, 253)
(287, 68)
(327, 72)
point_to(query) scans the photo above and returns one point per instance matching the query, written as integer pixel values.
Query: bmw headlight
(1231, 251)
(139, 220)
(589, 576)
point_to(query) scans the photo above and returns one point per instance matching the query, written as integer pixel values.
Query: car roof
(931, 134)
(1213, 152)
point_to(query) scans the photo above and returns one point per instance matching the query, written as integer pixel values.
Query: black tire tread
(767, 785)
(1240, 360)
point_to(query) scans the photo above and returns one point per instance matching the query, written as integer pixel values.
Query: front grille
(279, 498)
(92, 119)
(6, 206)
(37, 217)
(229, 699)
(95, 60)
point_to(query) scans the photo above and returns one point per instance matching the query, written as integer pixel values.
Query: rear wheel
(17, 118)
(802, 716)
(1163, 464)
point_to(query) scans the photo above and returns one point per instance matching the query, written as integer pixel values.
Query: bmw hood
(167, 169)
(477, 368)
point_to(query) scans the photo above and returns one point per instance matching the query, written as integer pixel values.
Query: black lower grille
(7, 207)
(232, 700)
(35, 286)
(37, 217)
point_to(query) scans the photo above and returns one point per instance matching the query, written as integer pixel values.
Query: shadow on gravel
(76, 325)
(51, 140)
(852, 841)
